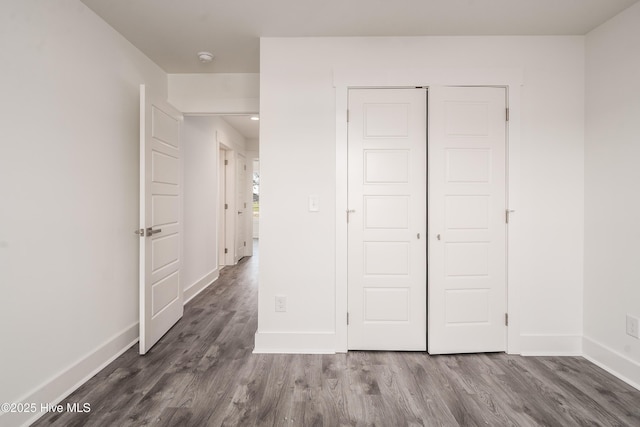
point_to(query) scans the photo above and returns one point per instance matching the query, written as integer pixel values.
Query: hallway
(203, 372)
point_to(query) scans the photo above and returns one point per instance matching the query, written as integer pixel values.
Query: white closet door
(387, 219)
(467, 229)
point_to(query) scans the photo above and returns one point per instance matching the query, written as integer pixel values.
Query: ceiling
(248, 128)
(171, 32)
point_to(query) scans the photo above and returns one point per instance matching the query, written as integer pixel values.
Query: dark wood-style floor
(203, 373)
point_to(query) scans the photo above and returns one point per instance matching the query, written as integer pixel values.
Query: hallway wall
(612, 203)
(69, 114)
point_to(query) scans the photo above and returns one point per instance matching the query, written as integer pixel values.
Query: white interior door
(161, 299)
(241, 207)
(230, 207)
(387, 219)
(221, 207)
(467, 230)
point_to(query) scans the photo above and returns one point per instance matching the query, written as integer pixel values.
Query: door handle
(239, 212)
(151, 231)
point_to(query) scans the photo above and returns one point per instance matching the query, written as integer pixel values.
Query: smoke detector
(205, 57)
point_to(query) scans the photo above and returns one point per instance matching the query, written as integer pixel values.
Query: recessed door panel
(467, 259)
(386, 304)
(165, 209)
(463, 212)
(165, 251)
(464, 306)
(164, 292)
(386, 212)
(466, 118)
(165, 168)
(386, 258)
(165, 127)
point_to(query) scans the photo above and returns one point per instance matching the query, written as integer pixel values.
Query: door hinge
(245, 206)
(507, 114)
(347, 116)
(226, 162)
(245, 167)
(347, 318)
(506, 319)
(245, 243)
(226, 206)
(226, 250)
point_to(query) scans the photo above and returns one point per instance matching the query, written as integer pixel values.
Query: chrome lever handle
(151, 231)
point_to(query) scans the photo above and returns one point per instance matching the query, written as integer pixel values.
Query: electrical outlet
(281, 304)
(632, 326)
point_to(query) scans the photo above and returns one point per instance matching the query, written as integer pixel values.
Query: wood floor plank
(203, 373)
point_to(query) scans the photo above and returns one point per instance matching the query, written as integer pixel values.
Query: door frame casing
(512, 80)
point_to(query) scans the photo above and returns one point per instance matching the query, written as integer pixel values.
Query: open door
(161, 298)
(241, 207)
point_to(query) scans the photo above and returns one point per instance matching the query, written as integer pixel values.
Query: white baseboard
(611, 361)
(200, 285)
(295, 342)
(66, 382)
(550, 345)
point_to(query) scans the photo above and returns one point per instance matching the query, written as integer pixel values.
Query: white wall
(69, 114)
(298, 158)
(227, 134)
(215, 93)
(612, 201)
(200, 256)
(202, 138)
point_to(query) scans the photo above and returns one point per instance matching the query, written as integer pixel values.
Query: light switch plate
(632, 326)
(314, 203)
